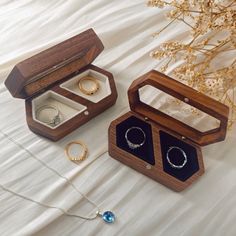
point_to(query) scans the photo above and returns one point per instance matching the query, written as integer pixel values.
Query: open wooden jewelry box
(157, 142)
(49, 82)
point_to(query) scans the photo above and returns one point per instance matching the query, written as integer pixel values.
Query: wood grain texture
(94, 109)
(161, 122)
(33, 75)
(180, 91)
(49, 69)
(156, 172)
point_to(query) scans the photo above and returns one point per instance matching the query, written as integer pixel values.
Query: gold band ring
(76, 158)
(91, 91)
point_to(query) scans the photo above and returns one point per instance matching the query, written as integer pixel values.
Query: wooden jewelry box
(158, 145)
(50, 84)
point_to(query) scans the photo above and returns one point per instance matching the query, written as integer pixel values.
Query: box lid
(52, 65)
(185, 94)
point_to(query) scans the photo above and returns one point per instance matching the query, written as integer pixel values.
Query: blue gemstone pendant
(108, 217)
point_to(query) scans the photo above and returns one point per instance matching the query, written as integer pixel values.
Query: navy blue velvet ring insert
(179, 158)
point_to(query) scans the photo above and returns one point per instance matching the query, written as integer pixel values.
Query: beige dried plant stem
(212, 34)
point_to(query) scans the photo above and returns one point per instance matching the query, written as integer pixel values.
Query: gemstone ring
(131, 144)
(52, 121)
(92, 90)
(80, 157)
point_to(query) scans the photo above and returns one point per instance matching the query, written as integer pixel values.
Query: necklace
(107, 216)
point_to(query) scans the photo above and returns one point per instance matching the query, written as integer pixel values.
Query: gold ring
(91, 91)
(76, 158)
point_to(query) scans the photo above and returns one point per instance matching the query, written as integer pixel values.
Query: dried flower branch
(212, 36)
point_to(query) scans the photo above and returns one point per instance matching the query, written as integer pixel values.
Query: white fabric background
(142, 206)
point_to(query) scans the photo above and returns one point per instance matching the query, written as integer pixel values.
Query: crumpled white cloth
(142, 206)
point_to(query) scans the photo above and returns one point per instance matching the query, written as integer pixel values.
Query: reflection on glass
(177, 109)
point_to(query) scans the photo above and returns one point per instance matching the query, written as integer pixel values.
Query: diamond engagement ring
(53, 120)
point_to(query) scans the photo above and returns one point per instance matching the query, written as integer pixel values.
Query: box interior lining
(67, 108)
(145, 152)
(104, 90)
(177, 158)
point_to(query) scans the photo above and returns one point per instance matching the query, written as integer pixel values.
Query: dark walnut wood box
(164, 131)
(51, 78)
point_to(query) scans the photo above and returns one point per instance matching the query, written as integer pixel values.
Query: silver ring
(55, 120)
(135, 145)
(183, 153)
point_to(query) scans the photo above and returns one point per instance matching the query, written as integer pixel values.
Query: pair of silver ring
(172, 148)
(52, 121)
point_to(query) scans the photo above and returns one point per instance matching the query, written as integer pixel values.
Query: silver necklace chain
(58, 174)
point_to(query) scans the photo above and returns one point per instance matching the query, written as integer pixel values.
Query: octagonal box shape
(51, 78)
(167, 131)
